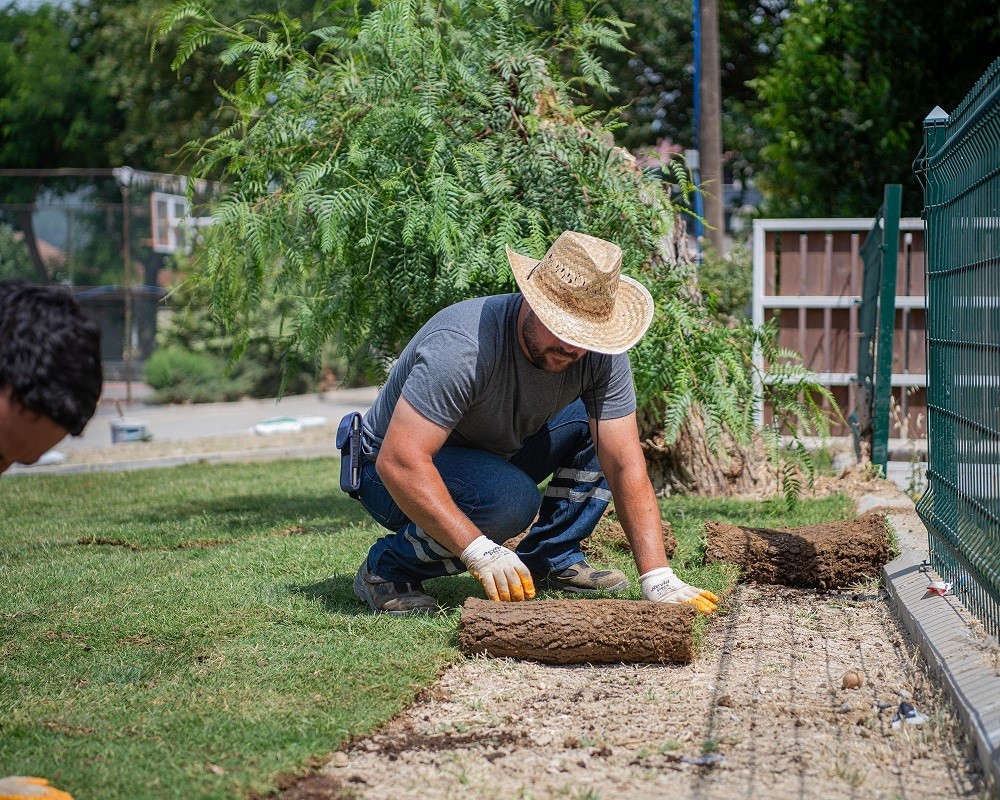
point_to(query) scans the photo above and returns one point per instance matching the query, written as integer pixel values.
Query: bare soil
(761, 712)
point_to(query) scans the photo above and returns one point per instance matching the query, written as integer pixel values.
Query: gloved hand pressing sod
(502, 574)
(663, 586)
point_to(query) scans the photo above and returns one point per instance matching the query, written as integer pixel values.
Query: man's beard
(550, 359)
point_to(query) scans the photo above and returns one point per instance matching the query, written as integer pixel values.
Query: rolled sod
(579, 631)
(822, 556)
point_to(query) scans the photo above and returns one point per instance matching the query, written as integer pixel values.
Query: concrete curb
(956, 649)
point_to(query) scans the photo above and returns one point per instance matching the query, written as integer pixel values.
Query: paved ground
(183, 422)
(208, 432)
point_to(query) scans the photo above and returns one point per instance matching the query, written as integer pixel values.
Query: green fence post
(886, 324)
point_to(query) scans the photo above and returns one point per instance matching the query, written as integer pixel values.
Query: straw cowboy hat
(578, 292)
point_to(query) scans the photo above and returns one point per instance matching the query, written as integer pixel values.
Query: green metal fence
(876, 323)
(960, 169)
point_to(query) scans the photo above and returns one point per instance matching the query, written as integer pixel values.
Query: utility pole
(124, 175)
(710, 121)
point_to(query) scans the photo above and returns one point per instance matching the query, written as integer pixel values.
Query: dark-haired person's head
(50, 370)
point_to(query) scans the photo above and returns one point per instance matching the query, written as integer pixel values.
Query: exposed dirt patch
(317, 787)
(761, 712)
(815, 556)
(102, 541)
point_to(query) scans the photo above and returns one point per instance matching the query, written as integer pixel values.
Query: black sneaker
(584, 579)
(386, 597)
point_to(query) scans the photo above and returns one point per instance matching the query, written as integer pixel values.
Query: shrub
(178, 375)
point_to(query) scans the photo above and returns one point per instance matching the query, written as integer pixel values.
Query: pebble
(852, 679)
(905, 694)
(845, 708)
(725, 701)
(340, 760)
(543, 739)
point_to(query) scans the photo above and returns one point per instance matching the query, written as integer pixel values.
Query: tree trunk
(579, 631)
(690, 466)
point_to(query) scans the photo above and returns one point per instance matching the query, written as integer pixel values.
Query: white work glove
(663, 586)
(502, 574)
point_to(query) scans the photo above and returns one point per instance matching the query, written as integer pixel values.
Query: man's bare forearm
(419, 491)
(639, 513)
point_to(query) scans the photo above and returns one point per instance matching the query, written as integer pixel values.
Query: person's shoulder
(475, 317)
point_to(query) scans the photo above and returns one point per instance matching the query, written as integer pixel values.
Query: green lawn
(192, 633)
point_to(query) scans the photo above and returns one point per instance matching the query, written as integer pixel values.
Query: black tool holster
(349, 444)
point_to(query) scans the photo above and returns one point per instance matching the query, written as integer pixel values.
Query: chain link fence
(112, 235)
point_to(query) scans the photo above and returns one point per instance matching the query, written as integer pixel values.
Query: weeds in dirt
(913, 434)
(851, 776)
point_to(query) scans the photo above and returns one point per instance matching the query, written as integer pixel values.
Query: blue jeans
(501, 498)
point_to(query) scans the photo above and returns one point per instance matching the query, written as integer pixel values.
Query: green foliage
(207, 367)
(180, 376)
(15, 260)
(160, 110)
(726, 281)
(842, 102)
(374, 178)
(51, 115)
(655, 78)
(377, 179)
(828, 101)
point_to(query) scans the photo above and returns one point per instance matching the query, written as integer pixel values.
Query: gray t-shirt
(465, 371)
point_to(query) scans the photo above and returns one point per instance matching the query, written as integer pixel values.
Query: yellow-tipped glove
(22, 787)
(502, 574)
(663, 586)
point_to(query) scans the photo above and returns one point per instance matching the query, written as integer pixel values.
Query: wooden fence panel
(808, 276)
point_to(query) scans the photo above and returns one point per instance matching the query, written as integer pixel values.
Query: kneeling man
(491, 397)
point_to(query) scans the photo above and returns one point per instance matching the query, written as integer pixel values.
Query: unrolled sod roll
(579, 631)
(816, 556)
